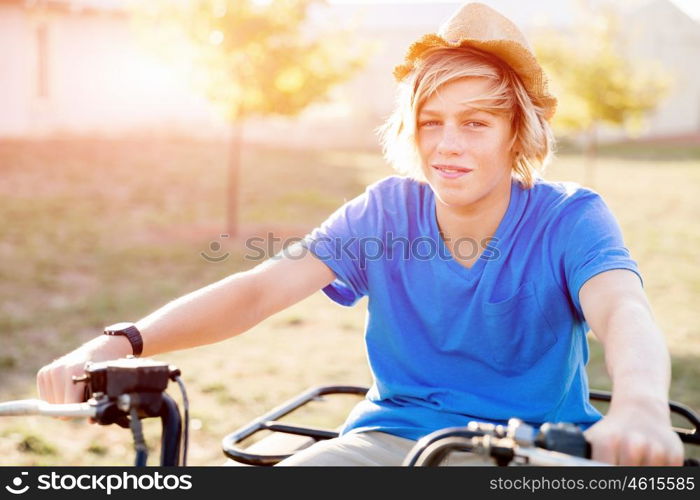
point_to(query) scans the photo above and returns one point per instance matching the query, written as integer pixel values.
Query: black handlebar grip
(564, 438)
(569, 439)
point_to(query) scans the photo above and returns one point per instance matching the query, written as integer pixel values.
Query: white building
(75, 67)
(662, 32)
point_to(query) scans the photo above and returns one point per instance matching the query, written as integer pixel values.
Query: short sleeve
(592, 243)
(338, 243)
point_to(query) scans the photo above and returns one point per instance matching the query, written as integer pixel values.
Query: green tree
(596, 82)
(251, 58)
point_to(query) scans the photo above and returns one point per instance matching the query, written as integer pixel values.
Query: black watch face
(118, 327)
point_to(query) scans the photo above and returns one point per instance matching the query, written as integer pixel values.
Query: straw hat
(479, 26)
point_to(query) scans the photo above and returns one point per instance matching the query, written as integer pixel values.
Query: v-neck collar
(504, 228)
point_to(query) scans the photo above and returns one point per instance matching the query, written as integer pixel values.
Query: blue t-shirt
(448, 344)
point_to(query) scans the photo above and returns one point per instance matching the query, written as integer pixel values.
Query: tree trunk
(234, 168)
(590, 156)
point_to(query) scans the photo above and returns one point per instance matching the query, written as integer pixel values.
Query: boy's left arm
(637, 427)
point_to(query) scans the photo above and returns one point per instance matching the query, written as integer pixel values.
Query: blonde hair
(532, 135)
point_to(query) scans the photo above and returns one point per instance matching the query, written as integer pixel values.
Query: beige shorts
(369, 449)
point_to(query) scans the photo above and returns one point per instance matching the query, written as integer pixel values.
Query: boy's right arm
(210, 314)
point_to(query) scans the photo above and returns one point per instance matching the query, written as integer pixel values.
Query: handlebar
(123, 392)
(128, 390)
(39, 407)
(517, 443)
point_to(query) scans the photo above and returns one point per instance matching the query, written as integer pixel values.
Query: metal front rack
(269, 421)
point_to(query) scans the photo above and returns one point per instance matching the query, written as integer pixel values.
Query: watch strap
(129, 331)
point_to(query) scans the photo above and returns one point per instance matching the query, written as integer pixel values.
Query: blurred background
(150, 148)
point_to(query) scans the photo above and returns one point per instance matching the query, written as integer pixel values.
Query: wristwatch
(130, 331)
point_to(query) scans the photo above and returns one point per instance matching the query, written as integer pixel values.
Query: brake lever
(77, 379)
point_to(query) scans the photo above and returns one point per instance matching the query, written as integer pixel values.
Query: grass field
(95, 232)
